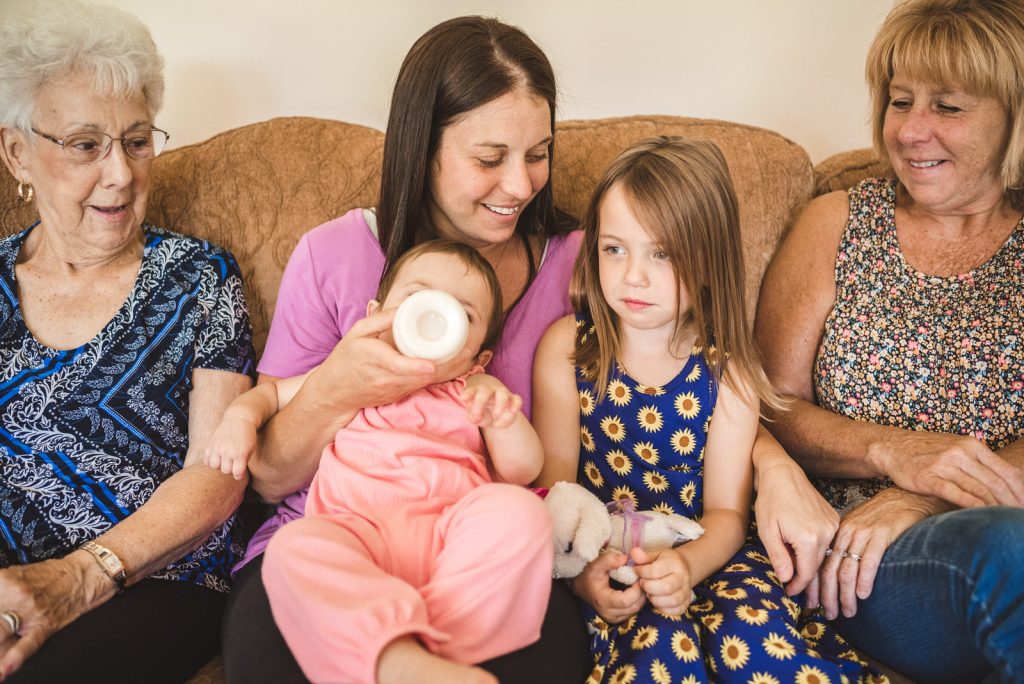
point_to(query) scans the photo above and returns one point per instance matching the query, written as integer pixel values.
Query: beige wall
(795, 66)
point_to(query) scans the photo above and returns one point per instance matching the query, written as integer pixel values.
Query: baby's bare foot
(405, 660)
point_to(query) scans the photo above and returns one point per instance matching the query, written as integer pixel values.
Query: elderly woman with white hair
(120, 346)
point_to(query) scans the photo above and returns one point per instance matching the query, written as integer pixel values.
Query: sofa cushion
(844, 170)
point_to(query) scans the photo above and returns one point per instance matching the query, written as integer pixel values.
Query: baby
(419, 553)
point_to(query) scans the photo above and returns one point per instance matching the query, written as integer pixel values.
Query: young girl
(650, 394)
(413, 561)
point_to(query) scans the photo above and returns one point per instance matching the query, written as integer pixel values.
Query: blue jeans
(948, 601)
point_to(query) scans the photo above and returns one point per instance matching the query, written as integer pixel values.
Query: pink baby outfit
(334, 272)
(406, 534)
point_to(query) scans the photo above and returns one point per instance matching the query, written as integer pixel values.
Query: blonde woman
(892, 315)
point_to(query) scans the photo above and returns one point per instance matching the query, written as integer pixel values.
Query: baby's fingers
(476, 402)
(238, 468)
(212, 459)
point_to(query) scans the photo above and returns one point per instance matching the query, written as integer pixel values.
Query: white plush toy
(584, 527)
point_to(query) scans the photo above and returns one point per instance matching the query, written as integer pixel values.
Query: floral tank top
(917, 351)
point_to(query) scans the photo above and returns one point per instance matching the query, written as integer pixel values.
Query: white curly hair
(44, 41)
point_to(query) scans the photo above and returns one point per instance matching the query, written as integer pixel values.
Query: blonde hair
(44, 41)
(973, 45)
(681, 192)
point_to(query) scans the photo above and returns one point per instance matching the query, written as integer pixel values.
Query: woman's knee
(985, 539)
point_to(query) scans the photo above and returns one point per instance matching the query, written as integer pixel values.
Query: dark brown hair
(473, 261)
(453, 68)
(681, 192)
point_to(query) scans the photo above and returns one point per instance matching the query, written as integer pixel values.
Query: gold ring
(12, 621)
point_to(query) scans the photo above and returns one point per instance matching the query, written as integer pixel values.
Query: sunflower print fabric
(917, 351)
(646, 444)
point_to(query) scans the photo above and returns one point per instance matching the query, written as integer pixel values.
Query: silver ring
(12, 621)
(828, 552)
(853, 556)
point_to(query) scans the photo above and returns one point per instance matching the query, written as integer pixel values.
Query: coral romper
(646, 444)
(406, 534)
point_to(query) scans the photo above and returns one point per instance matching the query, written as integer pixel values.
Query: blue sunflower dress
(646, 445)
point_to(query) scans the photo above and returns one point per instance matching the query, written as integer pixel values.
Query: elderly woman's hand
(961, 470)
(848, 574)
(46, 596)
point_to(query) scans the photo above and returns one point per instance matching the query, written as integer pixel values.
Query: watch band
(108, 560)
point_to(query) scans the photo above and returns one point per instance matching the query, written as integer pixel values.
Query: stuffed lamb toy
(585, 527)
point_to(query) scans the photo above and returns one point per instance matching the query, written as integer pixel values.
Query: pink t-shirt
(332, 274)
(383, 464)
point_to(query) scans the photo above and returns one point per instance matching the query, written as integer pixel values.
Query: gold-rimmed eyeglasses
(86, 148)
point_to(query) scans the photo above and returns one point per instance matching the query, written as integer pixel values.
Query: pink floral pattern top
(918, 351)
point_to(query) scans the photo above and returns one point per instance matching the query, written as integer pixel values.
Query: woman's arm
(797, 296)
(361, 371)
(794, 522)
(183, 511)
(556, 403)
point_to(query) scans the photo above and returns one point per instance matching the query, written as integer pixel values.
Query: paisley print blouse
(917, 351)
(87, 434)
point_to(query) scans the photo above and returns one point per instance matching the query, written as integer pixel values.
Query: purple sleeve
(330, 277)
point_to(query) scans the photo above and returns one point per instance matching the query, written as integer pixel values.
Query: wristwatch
(108, 560)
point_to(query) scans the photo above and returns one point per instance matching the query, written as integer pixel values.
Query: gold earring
(25, 192)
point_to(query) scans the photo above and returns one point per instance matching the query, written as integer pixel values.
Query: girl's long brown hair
(681, 192)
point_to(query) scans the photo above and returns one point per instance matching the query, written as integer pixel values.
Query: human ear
(372, 307)
(484, 358)
(12, 145)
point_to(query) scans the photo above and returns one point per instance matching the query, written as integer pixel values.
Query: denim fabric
(948, 602)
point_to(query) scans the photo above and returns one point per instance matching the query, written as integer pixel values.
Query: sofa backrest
(257, 189)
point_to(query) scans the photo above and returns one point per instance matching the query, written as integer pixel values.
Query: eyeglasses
(86, 148)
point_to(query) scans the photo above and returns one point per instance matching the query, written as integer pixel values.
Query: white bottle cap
(430, 324)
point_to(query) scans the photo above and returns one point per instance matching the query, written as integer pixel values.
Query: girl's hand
(231, 447)
(959, 469)
(593, 585)
(489, 403)
(865, 533)
(665, 579)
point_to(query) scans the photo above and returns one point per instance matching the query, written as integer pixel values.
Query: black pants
(254, 650)
(157, 631)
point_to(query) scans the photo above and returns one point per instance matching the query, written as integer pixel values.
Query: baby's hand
(489, 403)
(665, 578)
(230, 448)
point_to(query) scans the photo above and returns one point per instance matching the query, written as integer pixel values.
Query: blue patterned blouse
(87, 434)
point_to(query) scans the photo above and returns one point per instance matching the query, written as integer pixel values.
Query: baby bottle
(430, 324)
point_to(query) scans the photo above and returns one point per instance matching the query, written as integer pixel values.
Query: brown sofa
(257, 189)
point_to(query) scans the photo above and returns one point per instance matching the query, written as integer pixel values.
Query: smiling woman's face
(946, 145)
(489, 166)
(94, 208)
